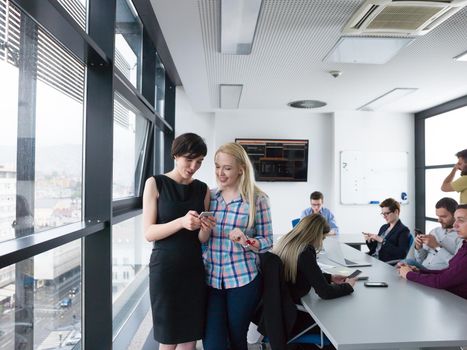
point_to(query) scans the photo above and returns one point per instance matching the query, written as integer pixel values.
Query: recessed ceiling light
(307, 104)
(229, 95)
(386, 98)
(461, 57)
(368, 50)
(238, 25)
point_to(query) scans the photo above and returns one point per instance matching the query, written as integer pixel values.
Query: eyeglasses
(386, 213)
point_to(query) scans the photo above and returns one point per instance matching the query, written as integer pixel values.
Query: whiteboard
(371, 177)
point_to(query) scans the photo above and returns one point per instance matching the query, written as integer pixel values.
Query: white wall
(328, 134)
(187, 120)
(288, 199)
(371, 131)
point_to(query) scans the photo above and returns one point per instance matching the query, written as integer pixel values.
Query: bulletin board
(371, 177)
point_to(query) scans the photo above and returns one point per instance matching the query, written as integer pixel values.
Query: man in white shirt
(434, 250)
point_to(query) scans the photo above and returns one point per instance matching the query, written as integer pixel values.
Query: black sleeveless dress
(176, 272)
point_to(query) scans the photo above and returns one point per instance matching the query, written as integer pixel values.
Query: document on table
(334, 270)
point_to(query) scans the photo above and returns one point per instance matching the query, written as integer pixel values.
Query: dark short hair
(447, 203)
(462, 154)
(392, 204)
(462, 206)
(189, 145)
(316, 196)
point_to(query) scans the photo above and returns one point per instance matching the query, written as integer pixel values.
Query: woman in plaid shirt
(243, 229)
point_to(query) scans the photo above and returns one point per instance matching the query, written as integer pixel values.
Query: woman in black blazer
(392, 241)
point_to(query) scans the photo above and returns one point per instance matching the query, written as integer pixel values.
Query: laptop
(334, 252)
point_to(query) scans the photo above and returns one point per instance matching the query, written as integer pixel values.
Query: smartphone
(354, 274)
(376, 284)
(206, 214)
(362, 278)
(417, 232)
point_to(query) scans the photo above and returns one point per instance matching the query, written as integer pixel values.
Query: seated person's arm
(453, 276)
(420, 253)
(308, 266)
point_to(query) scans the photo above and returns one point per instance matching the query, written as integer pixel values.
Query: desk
(406, 315)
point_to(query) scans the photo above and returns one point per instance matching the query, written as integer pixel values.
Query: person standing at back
(243, 229)
(316, 202)
(171, 205)
(459, 185)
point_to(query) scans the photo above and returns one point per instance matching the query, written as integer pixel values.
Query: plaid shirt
(228, 264)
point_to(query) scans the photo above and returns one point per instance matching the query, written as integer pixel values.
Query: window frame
(420, 163)
(95, 48)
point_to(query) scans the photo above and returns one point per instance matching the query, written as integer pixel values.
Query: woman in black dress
(171, 206)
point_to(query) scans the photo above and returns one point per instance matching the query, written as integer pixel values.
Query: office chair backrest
(279, 312)
(278, 309)
(411, 240)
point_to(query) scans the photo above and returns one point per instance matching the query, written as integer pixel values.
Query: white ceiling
(286, 62)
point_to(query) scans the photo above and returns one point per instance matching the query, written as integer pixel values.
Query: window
(130, 139)
(445, 136)
(76, 9)
(40, 144)
(438, 137)
(45, 308)
(43, 58)
(132, 254)
(160, 87)
(128, 39)
(433, 193)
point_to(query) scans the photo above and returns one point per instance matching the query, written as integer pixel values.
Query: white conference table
(405, 315)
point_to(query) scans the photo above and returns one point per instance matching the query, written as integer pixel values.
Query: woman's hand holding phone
(338, 279)
(191, 221)
(351, 281)
(207, 219)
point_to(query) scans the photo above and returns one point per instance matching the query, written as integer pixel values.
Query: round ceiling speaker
(307, 104)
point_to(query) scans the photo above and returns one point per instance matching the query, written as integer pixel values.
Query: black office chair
(279, 312)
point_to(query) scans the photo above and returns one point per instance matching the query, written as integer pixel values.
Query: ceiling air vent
(401, 17)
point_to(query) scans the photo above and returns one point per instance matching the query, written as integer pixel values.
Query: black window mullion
(97, 324)
(169, 113)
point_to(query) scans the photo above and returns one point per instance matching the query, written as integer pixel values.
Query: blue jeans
(229, 313)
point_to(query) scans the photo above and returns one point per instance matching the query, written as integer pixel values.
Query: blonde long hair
(247, 185)
(311, 230)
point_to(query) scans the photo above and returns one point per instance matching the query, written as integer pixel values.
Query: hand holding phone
(354, 274)
(205, 214)
(417, 232)
(376, 284)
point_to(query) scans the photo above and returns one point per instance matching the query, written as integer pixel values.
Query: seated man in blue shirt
(316, 201)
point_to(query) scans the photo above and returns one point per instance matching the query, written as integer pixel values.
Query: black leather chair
(278, 312)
